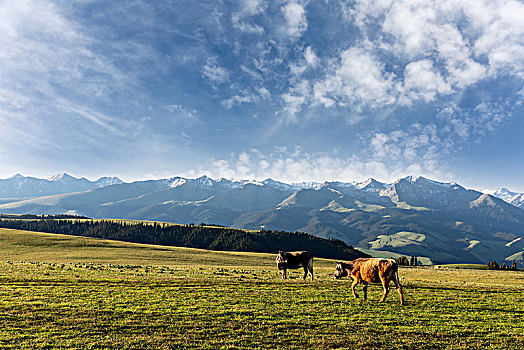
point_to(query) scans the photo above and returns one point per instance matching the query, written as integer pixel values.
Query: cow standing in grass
(370, 270)
(295, 260)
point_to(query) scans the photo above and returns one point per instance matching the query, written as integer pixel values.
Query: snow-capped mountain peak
(504, 193)
(308, 185)
(420, 180)
(176, 182)
(277, 185)
(251, 182)
(107, 181)
(62, 177)
(371, 185)
(412, 179)
(513, 198)
(204, 182)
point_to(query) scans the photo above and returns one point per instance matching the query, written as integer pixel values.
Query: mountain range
(443, 222)
(19, 186)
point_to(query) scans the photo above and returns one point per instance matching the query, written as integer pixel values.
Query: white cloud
(296, 21)
(423, 82)
(310, 60)
(416, 31)
(311, 57)
(253, 7)
(264, 93)
(460, 34)
(501, 37)
(462, 69)
(386, 157)
(359, 80)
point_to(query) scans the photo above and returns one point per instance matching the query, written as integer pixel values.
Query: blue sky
(250, 89)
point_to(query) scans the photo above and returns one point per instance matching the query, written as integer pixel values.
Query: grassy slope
(80, 293)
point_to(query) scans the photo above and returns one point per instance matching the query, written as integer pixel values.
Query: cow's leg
(355, 282)
(310, 267)
(305, 271)
(365, 289)
(284, 274)
(385, 284)
(399, 287)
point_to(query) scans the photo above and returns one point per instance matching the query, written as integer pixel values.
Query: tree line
(405, 261)
(493, 265)
(192, 236)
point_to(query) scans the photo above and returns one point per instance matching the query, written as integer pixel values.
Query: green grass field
(73, 292)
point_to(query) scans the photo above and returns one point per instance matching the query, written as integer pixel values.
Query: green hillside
(193, 236)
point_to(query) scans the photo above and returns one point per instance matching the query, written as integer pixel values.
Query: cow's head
(280, 260)
(280, 257)
(340, 270)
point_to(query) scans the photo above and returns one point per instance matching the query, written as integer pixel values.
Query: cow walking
(370, 270)
(294, 260)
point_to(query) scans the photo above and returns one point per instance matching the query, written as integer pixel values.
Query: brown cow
(370, 270)
(295, 260)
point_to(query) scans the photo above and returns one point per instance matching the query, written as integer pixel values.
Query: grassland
(74, 292)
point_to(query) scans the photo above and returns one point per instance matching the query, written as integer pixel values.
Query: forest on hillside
(192, 236)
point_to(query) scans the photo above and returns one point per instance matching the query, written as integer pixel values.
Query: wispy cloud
(294, 99)
(214, 72)
(48, 64)
(246, 26)
(184, 114)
